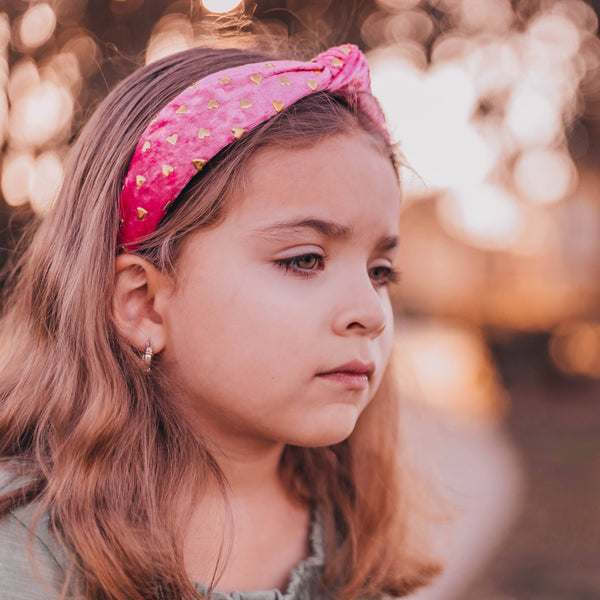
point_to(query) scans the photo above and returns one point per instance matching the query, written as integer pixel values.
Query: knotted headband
(214, 112)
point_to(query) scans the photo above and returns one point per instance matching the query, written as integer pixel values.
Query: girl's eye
(308, 262)
(305, 264)
(384, 275)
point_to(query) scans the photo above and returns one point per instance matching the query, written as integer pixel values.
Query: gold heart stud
(202, 133)
(145, 147)
(269, 66)
(198, 163)
(225, 80)
(212, 103)
(337, 62)
(278, 106)
(141, 213)
(283, 80)
(256, 78)
(245, 103)
(172, 139)
(238, 132)
(181, 110)
(167, 206)
(312, 84)
(139, 180)
(167, 170)
(345, 50)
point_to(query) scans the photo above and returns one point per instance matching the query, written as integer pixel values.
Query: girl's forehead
(337, 176)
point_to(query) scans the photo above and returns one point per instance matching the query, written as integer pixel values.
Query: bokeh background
(496, 105)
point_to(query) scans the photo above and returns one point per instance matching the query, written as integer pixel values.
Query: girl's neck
(267, 529)
(249, 469)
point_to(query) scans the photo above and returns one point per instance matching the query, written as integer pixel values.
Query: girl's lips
(354, 374)
(351, 380)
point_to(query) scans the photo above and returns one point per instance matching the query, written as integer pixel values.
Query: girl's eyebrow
(330, 229)
(389, 242)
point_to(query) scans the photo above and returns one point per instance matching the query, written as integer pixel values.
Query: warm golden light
(24, 76)
(3, 116)
(63, 70)
(4, 31)
(86, 50)
(485, 216)
(532, 117)
(449, 367)
(575, 348)
(16, 172)
(486, 15)
(43, 115)
(221, 6)
(44, 181)
(173, 33)
(545, 176)
(37, 25)
(439, 139)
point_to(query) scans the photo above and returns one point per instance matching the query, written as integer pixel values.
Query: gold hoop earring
(147, 358)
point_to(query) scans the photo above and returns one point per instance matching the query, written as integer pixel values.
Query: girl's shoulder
(32, 563)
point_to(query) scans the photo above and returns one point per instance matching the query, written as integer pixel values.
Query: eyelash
(291, 265)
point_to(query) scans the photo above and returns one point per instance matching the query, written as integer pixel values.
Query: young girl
(193, 389)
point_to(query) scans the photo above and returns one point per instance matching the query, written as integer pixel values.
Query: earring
(147, 358)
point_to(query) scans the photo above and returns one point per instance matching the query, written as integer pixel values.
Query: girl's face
(281, 326)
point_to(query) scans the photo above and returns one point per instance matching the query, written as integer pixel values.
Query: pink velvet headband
(214, 112)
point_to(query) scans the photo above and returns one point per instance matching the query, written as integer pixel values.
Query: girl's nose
(363, 309)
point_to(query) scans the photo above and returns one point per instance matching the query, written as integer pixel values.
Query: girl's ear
(140, 295)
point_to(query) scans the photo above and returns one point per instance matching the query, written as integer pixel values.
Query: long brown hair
(104, 448)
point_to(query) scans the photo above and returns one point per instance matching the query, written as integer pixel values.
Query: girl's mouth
(353, 375)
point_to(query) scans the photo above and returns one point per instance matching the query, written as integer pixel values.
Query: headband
(219, 109)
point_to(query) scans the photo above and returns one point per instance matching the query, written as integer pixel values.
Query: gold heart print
(245, 103)
(181, 110)
(141, 213)
(172, 139)
(256, 78)
(139, 180)
(283, 80)
(145, 147)
(198, 163)
(167, 170)
(238, 132)
(203, 133)
(212, 103)
(312, 84)
(278, 106)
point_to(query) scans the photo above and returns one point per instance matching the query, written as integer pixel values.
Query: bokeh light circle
(221, 6)
(37, 25)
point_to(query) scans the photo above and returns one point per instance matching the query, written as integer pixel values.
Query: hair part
(103, 445)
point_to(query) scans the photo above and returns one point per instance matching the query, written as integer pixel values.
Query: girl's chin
(326, 434)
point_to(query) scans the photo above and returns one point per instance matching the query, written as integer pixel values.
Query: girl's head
(275, 319)
(263, 294)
